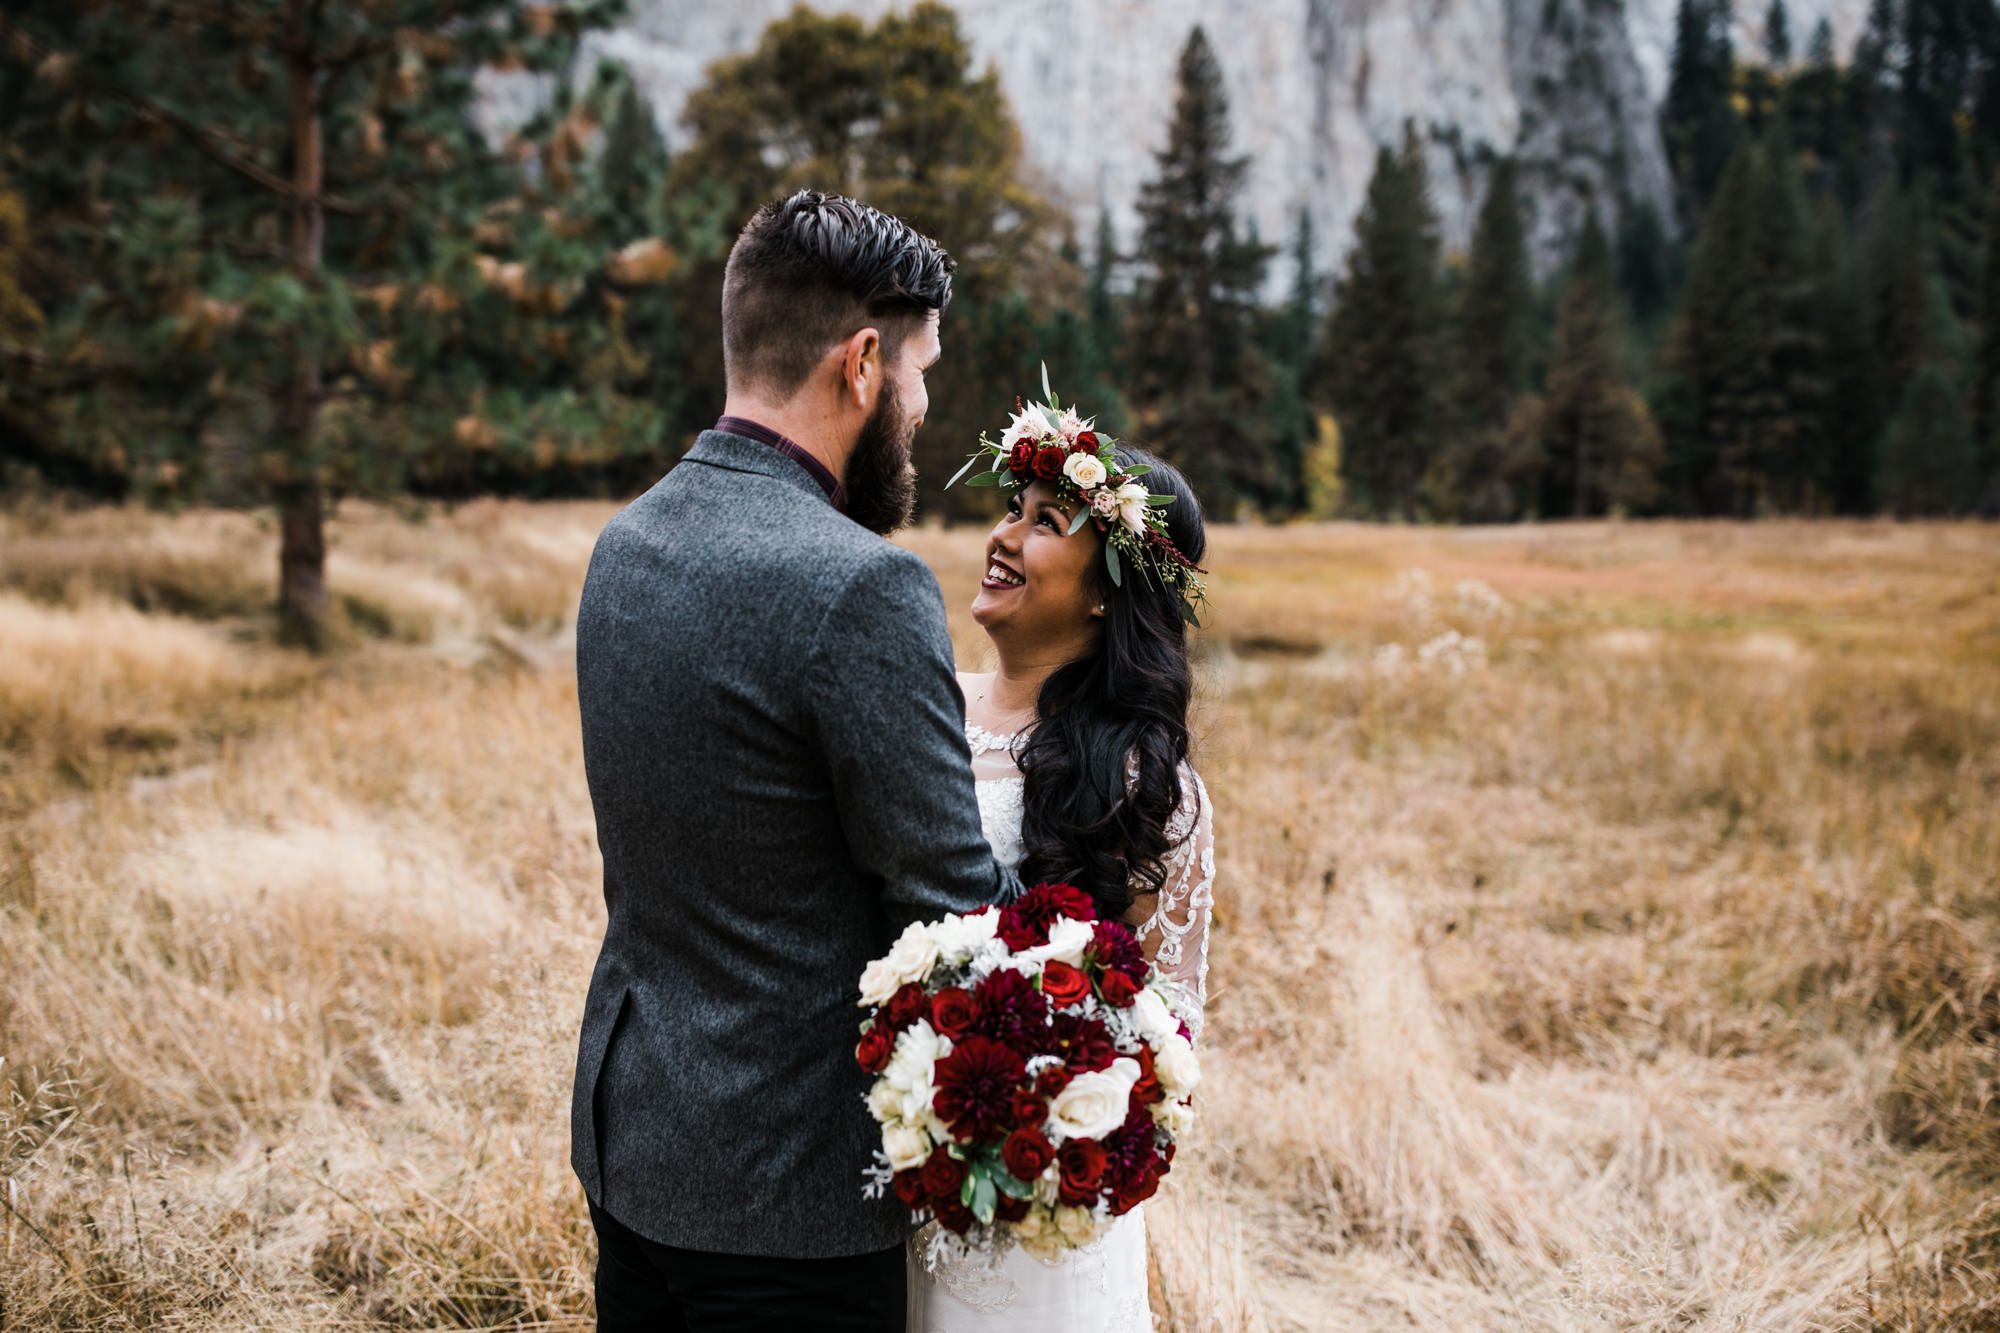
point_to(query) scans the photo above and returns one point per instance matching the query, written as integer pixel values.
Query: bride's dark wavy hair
(1126, 703)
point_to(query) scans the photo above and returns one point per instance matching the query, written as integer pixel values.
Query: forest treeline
(258, 251)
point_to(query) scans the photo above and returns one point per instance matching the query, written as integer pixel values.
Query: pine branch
(24, 46)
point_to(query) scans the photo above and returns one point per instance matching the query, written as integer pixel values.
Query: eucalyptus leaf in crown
(1047, 442)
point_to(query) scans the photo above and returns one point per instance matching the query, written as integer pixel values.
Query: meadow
(1607, 927)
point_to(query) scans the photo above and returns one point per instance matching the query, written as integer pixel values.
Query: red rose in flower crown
(1031, 1078)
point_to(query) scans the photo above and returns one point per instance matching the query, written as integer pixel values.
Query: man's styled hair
(811, 270)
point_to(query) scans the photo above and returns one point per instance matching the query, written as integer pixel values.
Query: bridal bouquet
(1031, 1076)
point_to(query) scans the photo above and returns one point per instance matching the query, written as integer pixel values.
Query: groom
(774, 741)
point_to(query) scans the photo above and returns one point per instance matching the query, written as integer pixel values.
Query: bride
(1079, 743)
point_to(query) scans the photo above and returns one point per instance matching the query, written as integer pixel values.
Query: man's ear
(861, 368)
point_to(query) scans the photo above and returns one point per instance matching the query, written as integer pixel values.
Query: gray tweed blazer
(775, 746)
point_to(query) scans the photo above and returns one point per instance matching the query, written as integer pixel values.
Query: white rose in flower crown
(905, 1147)
(1093, 1104)
(1131, 499)
(1086, 470)
(910, 958)
(1178, 1069)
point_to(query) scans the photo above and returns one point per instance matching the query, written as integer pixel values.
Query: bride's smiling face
(1039, 590)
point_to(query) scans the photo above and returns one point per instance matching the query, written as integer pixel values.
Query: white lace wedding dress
(1101, 1289)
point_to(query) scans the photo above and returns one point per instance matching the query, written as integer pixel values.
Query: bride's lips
(1007, 576)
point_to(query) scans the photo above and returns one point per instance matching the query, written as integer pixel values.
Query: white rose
(1079, 1226)
(905, 1147)
(1086, 470)
(960, 937)
(1153, 1018)
(1132, 506)
(1093, 1105)
(884, 1102)
(1177, 1067)
(1068, 938)
(910, 958)
(1177, 1118)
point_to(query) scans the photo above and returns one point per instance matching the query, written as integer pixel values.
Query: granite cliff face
(1571, 87)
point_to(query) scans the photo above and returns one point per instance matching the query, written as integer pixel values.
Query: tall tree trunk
(302, 543)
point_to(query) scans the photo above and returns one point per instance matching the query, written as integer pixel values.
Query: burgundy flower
(1049, 462)
(909, 1186)
(1012, 1011)
(953, 1216)
(1027, 1153)
(1085, 442)
(1082, 1164)
(1147, 1090)
(1025, 922)
(1010, 1209)
(1083, 1043)
(1029, 1110)
(942, 1174)
(975, 1088)
(908, 1005)
(1113, 945)
(1022, 461)
(1052, 1081)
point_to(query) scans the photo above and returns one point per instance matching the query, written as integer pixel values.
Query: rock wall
(1570, 86)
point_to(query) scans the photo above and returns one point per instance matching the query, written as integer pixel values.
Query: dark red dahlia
(1010, 1010)
(1025, 922)
(975, 1089)
(1132, 1166)
(1113, 945)
(1083, 1044)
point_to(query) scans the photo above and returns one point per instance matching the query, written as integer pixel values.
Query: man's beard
(881, 481)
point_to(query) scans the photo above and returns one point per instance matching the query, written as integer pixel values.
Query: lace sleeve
(1175, 936)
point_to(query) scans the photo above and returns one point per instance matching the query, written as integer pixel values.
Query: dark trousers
(646, 1287)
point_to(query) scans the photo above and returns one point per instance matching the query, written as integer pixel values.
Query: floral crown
(1048, 442)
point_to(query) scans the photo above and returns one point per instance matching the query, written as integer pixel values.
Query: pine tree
(1646, 263)
(1201, 383)
(1778, 35)
(1594, 443)
(1288, 340)
(1480, 471)
(1698, 122)
(301, 248)
(1926, 466)
(1385, 342)
(1101, 302)
(893, 113)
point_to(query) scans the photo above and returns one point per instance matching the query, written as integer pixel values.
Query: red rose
(1082, 1167)
(1063, 984)
(1025, 922)
(907, 1006)
(1009, 1209)
(1117, 988)
(1049, 462)
(1022, 461)
(909, 1187)
(1029, 1110)
(1085, 443)
(1027, 1153)
(942, 1175)
(877, 1044)
(952, 1012)
(953, 1216)
(1147, 1090)
(1129, 1194)
(1052, 1081)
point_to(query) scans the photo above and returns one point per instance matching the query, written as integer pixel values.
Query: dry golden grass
(1607, 929)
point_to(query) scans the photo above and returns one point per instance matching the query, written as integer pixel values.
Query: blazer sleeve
(891, 723)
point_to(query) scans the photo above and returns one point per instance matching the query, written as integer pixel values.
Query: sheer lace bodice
(1175, 932)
